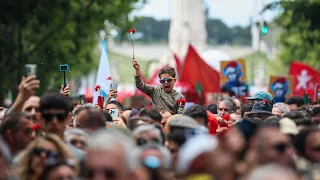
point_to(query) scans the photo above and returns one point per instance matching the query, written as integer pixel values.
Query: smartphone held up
(31, 69)
(82, 99)
(114, 113)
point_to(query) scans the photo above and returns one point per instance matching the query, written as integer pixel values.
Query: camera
(64, 67)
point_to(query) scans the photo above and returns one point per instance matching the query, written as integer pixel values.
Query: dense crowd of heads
(48, 137)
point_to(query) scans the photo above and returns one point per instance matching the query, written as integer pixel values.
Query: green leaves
(49, 33)
(300, 37)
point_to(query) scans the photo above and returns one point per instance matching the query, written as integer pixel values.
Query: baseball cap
(183, 121)
(287, 126)
(261, 96)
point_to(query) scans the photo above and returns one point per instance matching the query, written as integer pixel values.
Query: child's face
(167, 82)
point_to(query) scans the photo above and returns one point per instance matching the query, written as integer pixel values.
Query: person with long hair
(38, 153)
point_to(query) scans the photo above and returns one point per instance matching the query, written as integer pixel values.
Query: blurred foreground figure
(110, 157)
(17, 131)
(196, 156)
(272, 172)
(272, 146)
(5, 160)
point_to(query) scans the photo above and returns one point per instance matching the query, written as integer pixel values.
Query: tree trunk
(20, 67)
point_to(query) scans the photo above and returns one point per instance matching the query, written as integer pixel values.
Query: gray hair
(76, 131)
(270, 171)
(229, 102)
(166, 163)
(147, 127)
(107, 140)
(284, 108)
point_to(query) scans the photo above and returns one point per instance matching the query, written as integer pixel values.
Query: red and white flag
(305, 77)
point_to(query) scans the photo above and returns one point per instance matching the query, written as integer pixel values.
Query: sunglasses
(166, 80)
(75, 141)
(49, 154)
(142, 141)
(60, 116)
(316, 149)
(281, 147)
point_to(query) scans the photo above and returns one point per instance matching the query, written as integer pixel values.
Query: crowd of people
(48, 138)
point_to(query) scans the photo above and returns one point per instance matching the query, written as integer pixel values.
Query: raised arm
(147, 89)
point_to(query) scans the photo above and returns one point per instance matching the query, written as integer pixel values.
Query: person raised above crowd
(163, 96)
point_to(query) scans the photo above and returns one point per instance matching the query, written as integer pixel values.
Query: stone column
(187, 26)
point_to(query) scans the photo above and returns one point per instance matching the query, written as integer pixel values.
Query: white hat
(288, 126)
(193, 148)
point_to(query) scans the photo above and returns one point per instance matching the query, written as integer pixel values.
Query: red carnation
(149, 106)
(36, 127)
(131, 31)
(266, 101)
(309, 92)
(181, 101)
(226, 117)
(97, 88)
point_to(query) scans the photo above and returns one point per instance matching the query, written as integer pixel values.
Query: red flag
(178, 64)
(196, 70)
(100, 101)
(305, 77)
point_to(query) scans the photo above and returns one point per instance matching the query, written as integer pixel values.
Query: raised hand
(28, 87)
(65, 90)
(112, 93)
(135, 65)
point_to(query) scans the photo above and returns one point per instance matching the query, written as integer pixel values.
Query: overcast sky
(232, 12)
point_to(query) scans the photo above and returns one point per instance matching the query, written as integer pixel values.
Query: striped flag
(104, 74)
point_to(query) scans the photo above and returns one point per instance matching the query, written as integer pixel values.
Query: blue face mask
(152, 162)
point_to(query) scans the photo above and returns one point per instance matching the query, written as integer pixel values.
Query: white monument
(187, 26)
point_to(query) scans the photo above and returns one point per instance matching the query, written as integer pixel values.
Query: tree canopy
(153, 30)
(300, 35)
(49, 33)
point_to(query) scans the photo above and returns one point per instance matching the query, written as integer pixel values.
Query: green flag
(306, 98)
(199, 91)
(199, 88)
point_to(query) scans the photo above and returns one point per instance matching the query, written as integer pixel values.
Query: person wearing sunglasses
(147, 133)
(163, 96)
(38, 153)
(272, 146)
(55, 113)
